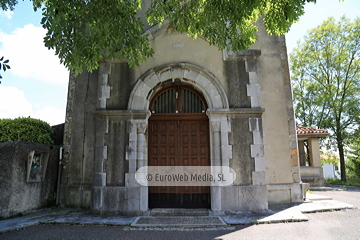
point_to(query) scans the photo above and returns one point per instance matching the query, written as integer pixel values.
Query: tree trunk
(342, 158)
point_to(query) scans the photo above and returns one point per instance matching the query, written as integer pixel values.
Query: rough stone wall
(16, 195)
(105, 89)
(237, 78)
(116, 166)
(121, 82)
(242, 162)
(79, 140)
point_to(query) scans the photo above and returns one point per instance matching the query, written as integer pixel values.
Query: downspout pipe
(59, 177)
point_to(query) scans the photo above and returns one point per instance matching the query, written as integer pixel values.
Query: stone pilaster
(141, 143)
(257, 151)
(215, 127)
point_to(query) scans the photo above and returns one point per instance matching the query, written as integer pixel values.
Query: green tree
(83, 32)
(329, 158)
(326, 81)
(353, 163)
(25, 129)
(4, 65)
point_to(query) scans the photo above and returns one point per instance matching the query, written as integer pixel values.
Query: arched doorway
(178, 135)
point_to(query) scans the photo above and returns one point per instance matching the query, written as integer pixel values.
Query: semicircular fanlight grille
(178, 100)
(166, 102)
(191, 103)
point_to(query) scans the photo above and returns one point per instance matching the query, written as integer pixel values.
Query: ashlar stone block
(260, 164)
(258, 178)
(177, 73)
(253, 77)
(257, 150)
(192, 75)
(152, 81)
(165, 75)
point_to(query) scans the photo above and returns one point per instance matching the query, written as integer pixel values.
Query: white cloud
(51, 115)
(28, 56)
(8, 14)
(13, 104)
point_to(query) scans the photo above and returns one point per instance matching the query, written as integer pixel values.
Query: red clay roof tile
(309, 130)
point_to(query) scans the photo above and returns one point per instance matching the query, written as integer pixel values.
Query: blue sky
(36, 85)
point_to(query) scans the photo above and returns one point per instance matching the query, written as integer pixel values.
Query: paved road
(327, 225)
(351, 195)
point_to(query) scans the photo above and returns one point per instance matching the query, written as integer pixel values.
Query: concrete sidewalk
(275, 214)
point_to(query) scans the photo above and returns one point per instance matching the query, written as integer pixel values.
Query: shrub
(25, 129)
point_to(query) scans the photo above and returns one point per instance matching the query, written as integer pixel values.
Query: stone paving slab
(316, 197)
(31, 219)
(63, 216)
(286, 212)
(86, 218)
(323, 205)
(289, 215)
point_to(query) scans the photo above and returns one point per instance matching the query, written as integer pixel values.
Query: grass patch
(353, 181)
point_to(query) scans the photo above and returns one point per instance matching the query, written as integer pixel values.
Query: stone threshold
(179, 222)
(179, 212)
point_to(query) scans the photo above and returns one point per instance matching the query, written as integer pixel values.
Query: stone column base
(285, 193)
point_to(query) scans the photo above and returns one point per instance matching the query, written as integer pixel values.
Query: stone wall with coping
(18, 195)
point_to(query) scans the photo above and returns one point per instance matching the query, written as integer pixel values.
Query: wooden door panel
(179, 143)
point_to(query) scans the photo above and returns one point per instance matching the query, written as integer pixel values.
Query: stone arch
(200, 78)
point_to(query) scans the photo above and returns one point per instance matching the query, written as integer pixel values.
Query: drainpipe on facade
(59, 178)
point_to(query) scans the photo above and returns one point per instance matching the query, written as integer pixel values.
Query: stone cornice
(122, 115)
(248, 54)
(236, 112)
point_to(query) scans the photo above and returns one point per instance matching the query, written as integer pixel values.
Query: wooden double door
(178, 135)
(179, 140)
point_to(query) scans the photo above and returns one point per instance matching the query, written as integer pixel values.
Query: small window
(36, 167)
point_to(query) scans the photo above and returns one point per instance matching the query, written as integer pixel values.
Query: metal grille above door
(191, 103)
(166, 102)
(178, 99)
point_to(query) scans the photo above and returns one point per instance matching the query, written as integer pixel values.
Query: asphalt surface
(343, 224)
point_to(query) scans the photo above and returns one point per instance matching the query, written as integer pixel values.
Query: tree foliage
(353, 159)
(329, 158)
(326, 80)
(4, 65)
(83, 32)
(25, 129)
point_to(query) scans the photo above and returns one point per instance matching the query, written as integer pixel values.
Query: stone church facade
(235, 107)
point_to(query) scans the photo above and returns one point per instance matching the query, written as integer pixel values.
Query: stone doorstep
(179, 221)
(179, 212)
